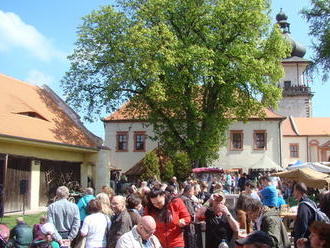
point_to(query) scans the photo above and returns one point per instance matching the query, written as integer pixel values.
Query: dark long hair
(164, 214)
(325, 203)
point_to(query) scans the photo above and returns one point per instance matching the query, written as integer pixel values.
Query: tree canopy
(190, 67)
(318, 17)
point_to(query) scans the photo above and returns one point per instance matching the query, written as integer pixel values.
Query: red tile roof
(287, 128)
(298, 126)
(126, 114)
(31, 112)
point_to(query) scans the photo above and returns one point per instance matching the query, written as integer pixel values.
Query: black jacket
(305, 217)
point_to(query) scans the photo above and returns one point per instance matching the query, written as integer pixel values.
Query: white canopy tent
(312, 165)
(266, 163)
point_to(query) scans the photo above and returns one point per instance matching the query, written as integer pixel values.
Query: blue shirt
(269, 196)
(82, 205)
(280, 201)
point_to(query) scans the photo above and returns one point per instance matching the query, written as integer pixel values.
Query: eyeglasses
(147, 232)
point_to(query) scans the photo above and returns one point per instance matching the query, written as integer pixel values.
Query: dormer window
(33, 115)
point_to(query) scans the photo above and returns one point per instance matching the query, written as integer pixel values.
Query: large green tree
(318, 17)
(190, 67)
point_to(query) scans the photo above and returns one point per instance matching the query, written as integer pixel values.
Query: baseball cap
(255, 237)
(219, 193)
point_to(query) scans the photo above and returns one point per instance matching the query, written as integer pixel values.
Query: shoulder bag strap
(309, 204)
(84, 202)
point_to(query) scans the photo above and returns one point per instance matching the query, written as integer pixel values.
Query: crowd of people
(193, 214)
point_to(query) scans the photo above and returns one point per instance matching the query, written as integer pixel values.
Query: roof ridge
(19, 99)
(20, 81)
(294, 126)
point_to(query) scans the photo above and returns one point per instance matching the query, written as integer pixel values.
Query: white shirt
(132, 239)
(94, 227)
(275, 181)
(255, 195)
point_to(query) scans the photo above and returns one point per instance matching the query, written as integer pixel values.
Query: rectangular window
(139, 141)
(287, 84)
(260, 140)
(236, 140)
(122, 141)
(294, 150)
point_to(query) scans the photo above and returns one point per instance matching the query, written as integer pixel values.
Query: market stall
(312, 165)
(310, 177)
(266, 163)
(208, 173)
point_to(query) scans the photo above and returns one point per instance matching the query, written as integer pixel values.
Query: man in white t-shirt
(141, 235)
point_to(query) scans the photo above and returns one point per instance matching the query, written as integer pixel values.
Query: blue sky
(37, 35)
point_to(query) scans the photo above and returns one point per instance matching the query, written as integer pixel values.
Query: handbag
(107, 230)
(80, 242)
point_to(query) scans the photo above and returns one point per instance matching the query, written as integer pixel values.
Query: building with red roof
(43, 145)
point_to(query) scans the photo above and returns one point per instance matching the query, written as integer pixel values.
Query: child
(43, 234)
(37, 234)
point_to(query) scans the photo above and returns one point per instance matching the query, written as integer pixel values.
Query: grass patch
(30, 219)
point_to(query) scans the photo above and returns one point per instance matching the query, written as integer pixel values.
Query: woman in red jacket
(170, 215)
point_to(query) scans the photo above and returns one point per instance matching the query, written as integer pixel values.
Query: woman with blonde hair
(108, 190)
(95, 226)
(104, 200)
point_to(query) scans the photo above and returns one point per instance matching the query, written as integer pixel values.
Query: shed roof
(32, 112)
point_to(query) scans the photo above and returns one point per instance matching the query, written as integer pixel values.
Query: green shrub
(168, 171)
(182, 166)
(150, 166)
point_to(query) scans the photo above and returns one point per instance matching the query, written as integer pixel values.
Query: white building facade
(251, 151)
(249, 142)
(129, 141)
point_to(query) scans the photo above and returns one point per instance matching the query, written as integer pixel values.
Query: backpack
(83, 209)
(319, 215)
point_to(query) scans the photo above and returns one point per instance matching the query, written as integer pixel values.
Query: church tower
(297, 96)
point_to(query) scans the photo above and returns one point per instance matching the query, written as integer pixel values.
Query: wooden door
(19, 168)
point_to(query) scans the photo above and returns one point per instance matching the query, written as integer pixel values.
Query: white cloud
(39, 78)
(17, 34)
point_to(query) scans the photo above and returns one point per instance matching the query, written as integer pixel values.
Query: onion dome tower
(297, 96)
